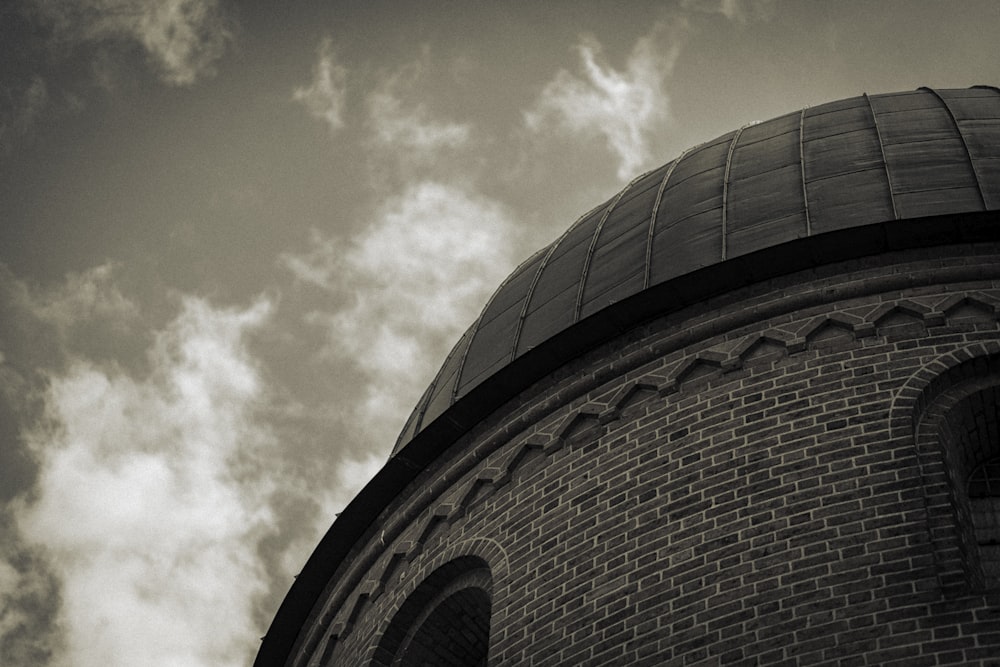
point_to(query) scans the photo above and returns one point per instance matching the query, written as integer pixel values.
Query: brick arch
(922, 409)
(476, 553)
(911, 399)
(445, 620)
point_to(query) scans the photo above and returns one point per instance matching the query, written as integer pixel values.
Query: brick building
(744, 412)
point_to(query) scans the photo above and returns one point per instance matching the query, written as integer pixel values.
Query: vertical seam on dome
(430, 394)
(965, 144)
(652, 219)
(593, 246)
(995, 89)
(465, 354)
(475, 329)
(538, 275)
(885, 163)
(434, 383)
(802, 166)
(725, 185)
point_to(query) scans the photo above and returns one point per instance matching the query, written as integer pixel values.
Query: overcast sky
(238, 238)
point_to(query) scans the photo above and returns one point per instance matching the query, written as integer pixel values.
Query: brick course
(759, 479)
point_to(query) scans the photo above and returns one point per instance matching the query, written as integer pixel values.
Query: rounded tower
(744, 412)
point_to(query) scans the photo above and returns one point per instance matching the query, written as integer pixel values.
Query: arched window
(444, 622)
(958, 415)
(970, 430)
(984, 505)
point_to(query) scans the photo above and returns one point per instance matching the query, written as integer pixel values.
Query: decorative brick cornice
(482, 474)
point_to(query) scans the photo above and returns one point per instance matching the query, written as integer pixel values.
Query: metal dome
(845, 164)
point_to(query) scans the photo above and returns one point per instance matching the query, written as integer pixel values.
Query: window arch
(957, 431)
(445, 621)
(968, 432)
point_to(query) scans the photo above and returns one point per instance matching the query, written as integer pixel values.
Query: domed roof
(846, 164)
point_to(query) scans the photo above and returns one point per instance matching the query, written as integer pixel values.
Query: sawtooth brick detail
(741, 483)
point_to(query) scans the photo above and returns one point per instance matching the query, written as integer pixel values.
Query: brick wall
(760, 479)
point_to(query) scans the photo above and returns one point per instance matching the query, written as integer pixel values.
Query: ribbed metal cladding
(849, 163)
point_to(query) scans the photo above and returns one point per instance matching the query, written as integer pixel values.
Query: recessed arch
(955, 420)
(444, 621)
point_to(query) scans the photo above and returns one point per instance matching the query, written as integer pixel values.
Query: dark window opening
(457, 632)
(984, 505)
(445, 622)
(966, 419)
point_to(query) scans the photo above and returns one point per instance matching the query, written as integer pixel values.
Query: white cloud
(418, 277)
(324, 97)
(138, 503)
(623, 106)
(412, 129)
(409, 126)
(183, 38)
(739, 11)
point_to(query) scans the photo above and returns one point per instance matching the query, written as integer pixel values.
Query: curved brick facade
(770, 477)
(745, 412)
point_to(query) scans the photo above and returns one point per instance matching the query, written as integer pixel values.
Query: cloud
(319, 265)
(622, 106)
(324, 97)
(85, 315)
(186, 37)
(740, 11)
(154, 512)
(409, 125)
(19, 116)
(412, 129)
(41, 328)
(29, 602)
(416, 278)
(140, 506)
(400, 291)
(183, 38)
(87, 295)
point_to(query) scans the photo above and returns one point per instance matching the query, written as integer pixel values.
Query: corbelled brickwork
(774, 476)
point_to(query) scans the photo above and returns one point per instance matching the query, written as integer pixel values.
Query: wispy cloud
(402, 123)
(183, 38)
(324, 97)
(319, 265)
(186, 37)
(87, 295)
(740, 11)
(409, 281)
(18, 116)
(416, 277)
(622, 106)
(86, 314)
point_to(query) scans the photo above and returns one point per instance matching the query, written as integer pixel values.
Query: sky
(237, 239)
